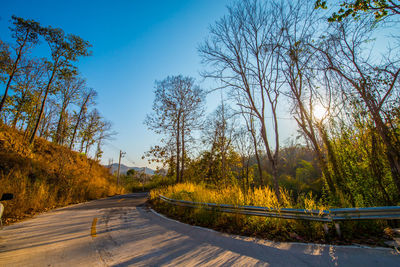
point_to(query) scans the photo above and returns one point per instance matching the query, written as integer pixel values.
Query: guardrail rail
(373, 213)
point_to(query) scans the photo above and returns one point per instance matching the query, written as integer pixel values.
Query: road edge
(276, 242)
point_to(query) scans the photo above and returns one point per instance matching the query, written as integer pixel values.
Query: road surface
(121, 231)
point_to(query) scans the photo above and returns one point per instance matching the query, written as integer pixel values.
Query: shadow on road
(128, 200)
(156, 241)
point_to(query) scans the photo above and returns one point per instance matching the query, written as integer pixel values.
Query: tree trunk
(78, 121)
(262, 182)
(392, 153)
(59, 125)
(377, 170)
(82, 144)
(247, 175)
(15, 120)
(13, 70)
(183, 150)
(87, 147)
(178, 150)
(43, 104)
(18, 111)
(306, 124)
(272, 159)
(254, 137)
(320, 156)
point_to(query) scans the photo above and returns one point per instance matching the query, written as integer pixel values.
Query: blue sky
(134, 44)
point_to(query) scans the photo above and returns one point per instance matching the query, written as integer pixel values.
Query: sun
(319, 112)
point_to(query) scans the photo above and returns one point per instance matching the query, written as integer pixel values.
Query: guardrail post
(337, 227)
(326, 228)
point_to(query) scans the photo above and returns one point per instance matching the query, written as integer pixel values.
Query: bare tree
(68, 89)
(88, 96)
(250, 121)
(104, 132)
(89, 129)
(245, 49)
(46, 127)
(177, 109)
(300, 69)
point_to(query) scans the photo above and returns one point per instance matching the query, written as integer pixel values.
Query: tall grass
(46, 175)
(271, 228)
(234, 195)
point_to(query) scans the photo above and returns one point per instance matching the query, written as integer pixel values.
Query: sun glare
(319, 112)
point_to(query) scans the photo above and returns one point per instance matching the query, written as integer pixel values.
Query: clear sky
(134, 44)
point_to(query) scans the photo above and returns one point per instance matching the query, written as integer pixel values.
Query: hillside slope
(47, 175)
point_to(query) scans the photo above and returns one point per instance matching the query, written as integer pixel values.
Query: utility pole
(144, 175)
(110, 163)
(121, 154)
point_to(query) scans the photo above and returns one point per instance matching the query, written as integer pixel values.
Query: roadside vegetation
(51, 134)
(282, 64)
(138, 181)
(45, 95)
(373, 233)
(46, 175)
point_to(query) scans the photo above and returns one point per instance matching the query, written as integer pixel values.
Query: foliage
(47, 97)
(65, 49)
(380, 8)
(25, 33)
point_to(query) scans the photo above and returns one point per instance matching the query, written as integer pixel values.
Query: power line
(117, 149)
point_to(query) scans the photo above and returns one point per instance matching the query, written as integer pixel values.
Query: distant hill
(124, 169)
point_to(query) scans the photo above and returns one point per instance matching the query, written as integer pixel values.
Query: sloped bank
(46, 176)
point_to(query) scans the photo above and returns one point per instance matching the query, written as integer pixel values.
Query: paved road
(121, 231)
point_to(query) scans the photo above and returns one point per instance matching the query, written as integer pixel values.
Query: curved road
(121, 231)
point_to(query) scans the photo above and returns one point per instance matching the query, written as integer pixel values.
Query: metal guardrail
(374, 213)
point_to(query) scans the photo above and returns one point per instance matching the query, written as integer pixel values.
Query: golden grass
(234, 195)
(264, 227)
(46, 175)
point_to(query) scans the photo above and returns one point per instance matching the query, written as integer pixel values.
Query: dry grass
(271, 228)
(264, 197)
(46, 175)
